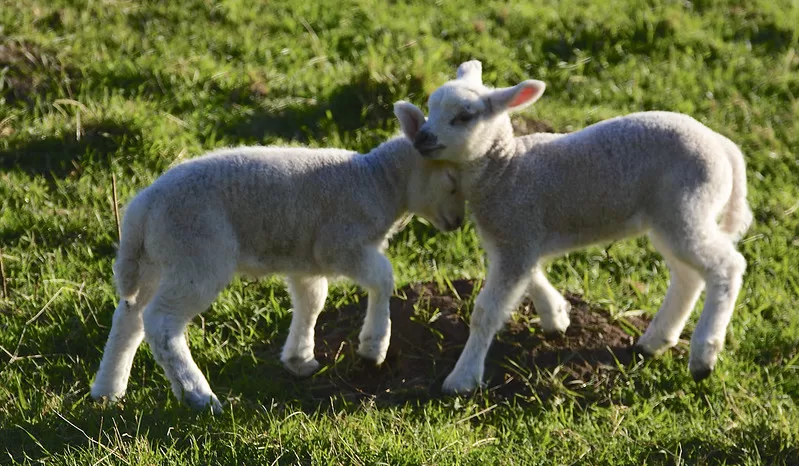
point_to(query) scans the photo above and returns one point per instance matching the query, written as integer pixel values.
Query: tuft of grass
(120, 90)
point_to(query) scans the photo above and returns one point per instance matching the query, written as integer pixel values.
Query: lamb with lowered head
(305, 213)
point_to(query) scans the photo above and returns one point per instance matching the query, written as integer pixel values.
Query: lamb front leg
(377, 277)
(308, 296)
(372, 271)
(550, 305)
(504, 288)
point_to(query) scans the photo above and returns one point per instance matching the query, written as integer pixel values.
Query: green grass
(89, 90)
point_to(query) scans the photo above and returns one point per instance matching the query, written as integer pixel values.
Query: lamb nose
(424, 139)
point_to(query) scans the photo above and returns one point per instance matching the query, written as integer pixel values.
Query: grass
(89, 90)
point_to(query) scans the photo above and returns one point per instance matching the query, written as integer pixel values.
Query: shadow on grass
(363, 103)
(596, 39)
(251, 114)
(68, 154)
(175, 94)
(428, 334)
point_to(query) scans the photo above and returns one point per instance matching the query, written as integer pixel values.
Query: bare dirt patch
(425, 344)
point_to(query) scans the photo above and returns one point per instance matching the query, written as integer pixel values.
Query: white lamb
(538, 196)
(306, 213)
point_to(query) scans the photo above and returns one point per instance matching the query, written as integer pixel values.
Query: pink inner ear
(523, 96)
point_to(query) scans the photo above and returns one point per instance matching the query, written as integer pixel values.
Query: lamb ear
(517, 97)
(472, 71)
(410, 117)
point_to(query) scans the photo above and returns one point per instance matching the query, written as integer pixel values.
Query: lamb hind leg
(724, 282)
(685, 286)
(308, 295)
(165, 328)
(127, 332)
(181, 296)
(711, 253)
(504, 288)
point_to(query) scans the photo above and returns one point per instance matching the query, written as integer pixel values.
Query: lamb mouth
(431, 151)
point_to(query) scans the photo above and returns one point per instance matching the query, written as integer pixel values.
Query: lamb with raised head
(538, 196)
(306, 213)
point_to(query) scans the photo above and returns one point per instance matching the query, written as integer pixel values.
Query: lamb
(305, 213)
(538, 196)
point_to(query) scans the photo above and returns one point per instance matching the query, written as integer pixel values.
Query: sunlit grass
(129, 88)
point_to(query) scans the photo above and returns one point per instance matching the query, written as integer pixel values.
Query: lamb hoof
(701, 374)
(100, 393)
(652, 345)
(642, 350)
(558, 322)
(456, 384)
(203, 402)
(300, 367)
(700, 370)
(373, 350)
(703, 358)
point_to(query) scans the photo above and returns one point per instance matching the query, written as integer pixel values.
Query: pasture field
(98, 90)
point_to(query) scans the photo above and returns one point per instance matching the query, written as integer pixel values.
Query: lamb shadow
(154, 20)
(56, 435)
(428, 335)
(65, 155)
(250, 114)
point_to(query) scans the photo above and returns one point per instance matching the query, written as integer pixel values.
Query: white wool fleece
(305, 213)
(538, 196)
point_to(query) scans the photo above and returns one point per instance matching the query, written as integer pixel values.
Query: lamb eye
(461, 118)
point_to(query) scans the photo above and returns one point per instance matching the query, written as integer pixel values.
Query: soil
(426, 343)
